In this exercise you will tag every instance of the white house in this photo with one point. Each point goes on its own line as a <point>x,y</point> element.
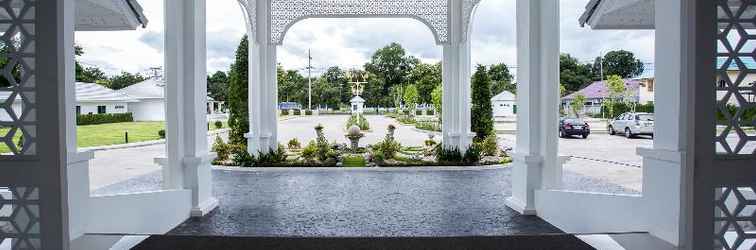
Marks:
<point>150,95</point>
<point>92,98</point>
<point>504,104</point>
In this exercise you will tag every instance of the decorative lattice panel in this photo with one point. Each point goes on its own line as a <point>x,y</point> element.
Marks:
<point>433,13</point>
<point>19,218</point>
<point>736,73</point>
<point>17,78</point>
<point>735,218</point>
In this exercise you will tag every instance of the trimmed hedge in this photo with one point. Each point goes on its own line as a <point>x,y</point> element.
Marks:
<point>94,119</point>
<point>621,108</point>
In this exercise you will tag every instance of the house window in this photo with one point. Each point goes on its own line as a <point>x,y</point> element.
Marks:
<point>102,109</point>
<point>78,110</point>
<point>119,107</point>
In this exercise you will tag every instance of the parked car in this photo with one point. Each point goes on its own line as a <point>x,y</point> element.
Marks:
<point>573,126</point>
<point>632,124</point>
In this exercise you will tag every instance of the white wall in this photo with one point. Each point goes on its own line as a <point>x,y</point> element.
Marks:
<point>110,107</point>
<point>503,108</point>
<point>148,110</point>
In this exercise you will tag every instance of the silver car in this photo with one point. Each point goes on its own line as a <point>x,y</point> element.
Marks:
<point>632,124</point>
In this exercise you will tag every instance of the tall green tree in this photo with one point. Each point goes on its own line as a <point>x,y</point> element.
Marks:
<point>482,110</point>
<point>238,96</point>
<point>391,65</point>
<point>616,87</point>
<point>411,97</point>
<point>578,104</point>
<point>425,77</point>
<point>337,77</point>
<point>325,93</point>
<point>124,80</point>
<point>437,96</point>
<point>620,62</point>
<point>573,74</point>
<point>292,86</point>
<point>501,79</point>
<point>217,86</point>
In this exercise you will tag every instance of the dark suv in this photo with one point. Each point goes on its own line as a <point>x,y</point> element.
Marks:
<point>573,126</point>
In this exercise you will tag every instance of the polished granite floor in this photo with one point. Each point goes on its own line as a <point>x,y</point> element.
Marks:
<point>338,203</point>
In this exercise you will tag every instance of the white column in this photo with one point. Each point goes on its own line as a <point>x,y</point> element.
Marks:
<point>188,163</point>
<point>456,83</point>
<point>263,84</point>
<point>664,165</point>
<point>535,160</point>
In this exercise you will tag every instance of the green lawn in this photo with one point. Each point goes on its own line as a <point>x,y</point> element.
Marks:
<point>110,134</point>
<point>113,134</point>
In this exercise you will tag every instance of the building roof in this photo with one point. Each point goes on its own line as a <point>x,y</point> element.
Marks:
<point>92,92</point>
<point>597,90</point>
<point>618,14</point>
<point>152,88</point>
<point>100,15</point>
<point>504,96</point>
<point>357,99</point>
<point>88,92</point>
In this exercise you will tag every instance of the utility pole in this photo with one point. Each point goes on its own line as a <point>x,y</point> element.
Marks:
<point>309,79</point>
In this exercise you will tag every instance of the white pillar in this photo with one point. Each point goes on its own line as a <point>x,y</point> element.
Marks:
<point>263,84</point>
<point>77,162</point>
<point>456,83</point>
<point>664,165</point>
<point>188,163</point>
<point>535,160</point>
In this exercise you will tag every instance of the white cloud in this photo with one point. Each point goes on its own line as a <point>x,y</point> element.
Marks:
<point>350,42</point>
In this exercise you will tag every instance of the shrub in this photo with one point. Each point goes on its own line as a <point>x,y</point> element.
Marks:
<point>294,144</point>
<point>489,146</point>
<point>406,120</point>
<point>310,152</point>
<point>430,126</point>
<point>324,151</point>
<point>359,121</point>
<point>308,112</point>
<point>94,119</point>
<point>161,133</point>
<point>284,112</point>
<point>473,154</point>
<point>354,161</point>
<point>276,156</point>
<point>218,124</point>
<point>447,155</point>
<point>222,149</point>
<point>387,149</point>
<point>297,112</point>
<point>240,156</point>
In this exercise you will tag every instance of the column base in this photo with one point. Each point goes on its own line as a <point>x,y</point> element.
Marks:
<point>520,206</point>
<point>205,208</point>
<point>78,191</point>
<point>461,141</point>
<point>260,144</point>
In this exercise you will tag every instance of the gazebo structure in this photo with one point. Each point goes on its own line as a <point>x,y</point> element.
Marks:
<point>691,175</point>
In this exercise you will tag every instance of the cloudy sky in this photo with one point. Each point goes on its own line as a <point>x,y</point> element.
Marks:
<point>350,42</point>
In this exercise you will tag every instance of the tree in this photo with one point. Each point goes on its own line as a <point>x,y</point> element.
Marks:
<point>91,75</point>
<point>572,74</point>
<point>217,86</point>
<point>125,79</point>
<point>292,86</point>
<point>621,62</point>
<point>238,96</point>
<point>578,104</point>
<point>438,96</point>
<point>391,65</point>
<point>425,77</point>
<point>615,85</point>
<point>411,97</point>
<point>501,79</point>
<point>325,93</point>
<point>482,110</point>
<point>336,76</point>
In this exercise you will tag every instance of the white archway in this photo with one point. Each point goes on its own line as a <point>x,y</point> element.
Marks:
<point>269,20</point>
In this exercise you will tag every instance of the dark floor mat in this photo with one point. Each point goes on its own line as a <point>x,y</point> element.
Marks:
<point>555,242</point>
